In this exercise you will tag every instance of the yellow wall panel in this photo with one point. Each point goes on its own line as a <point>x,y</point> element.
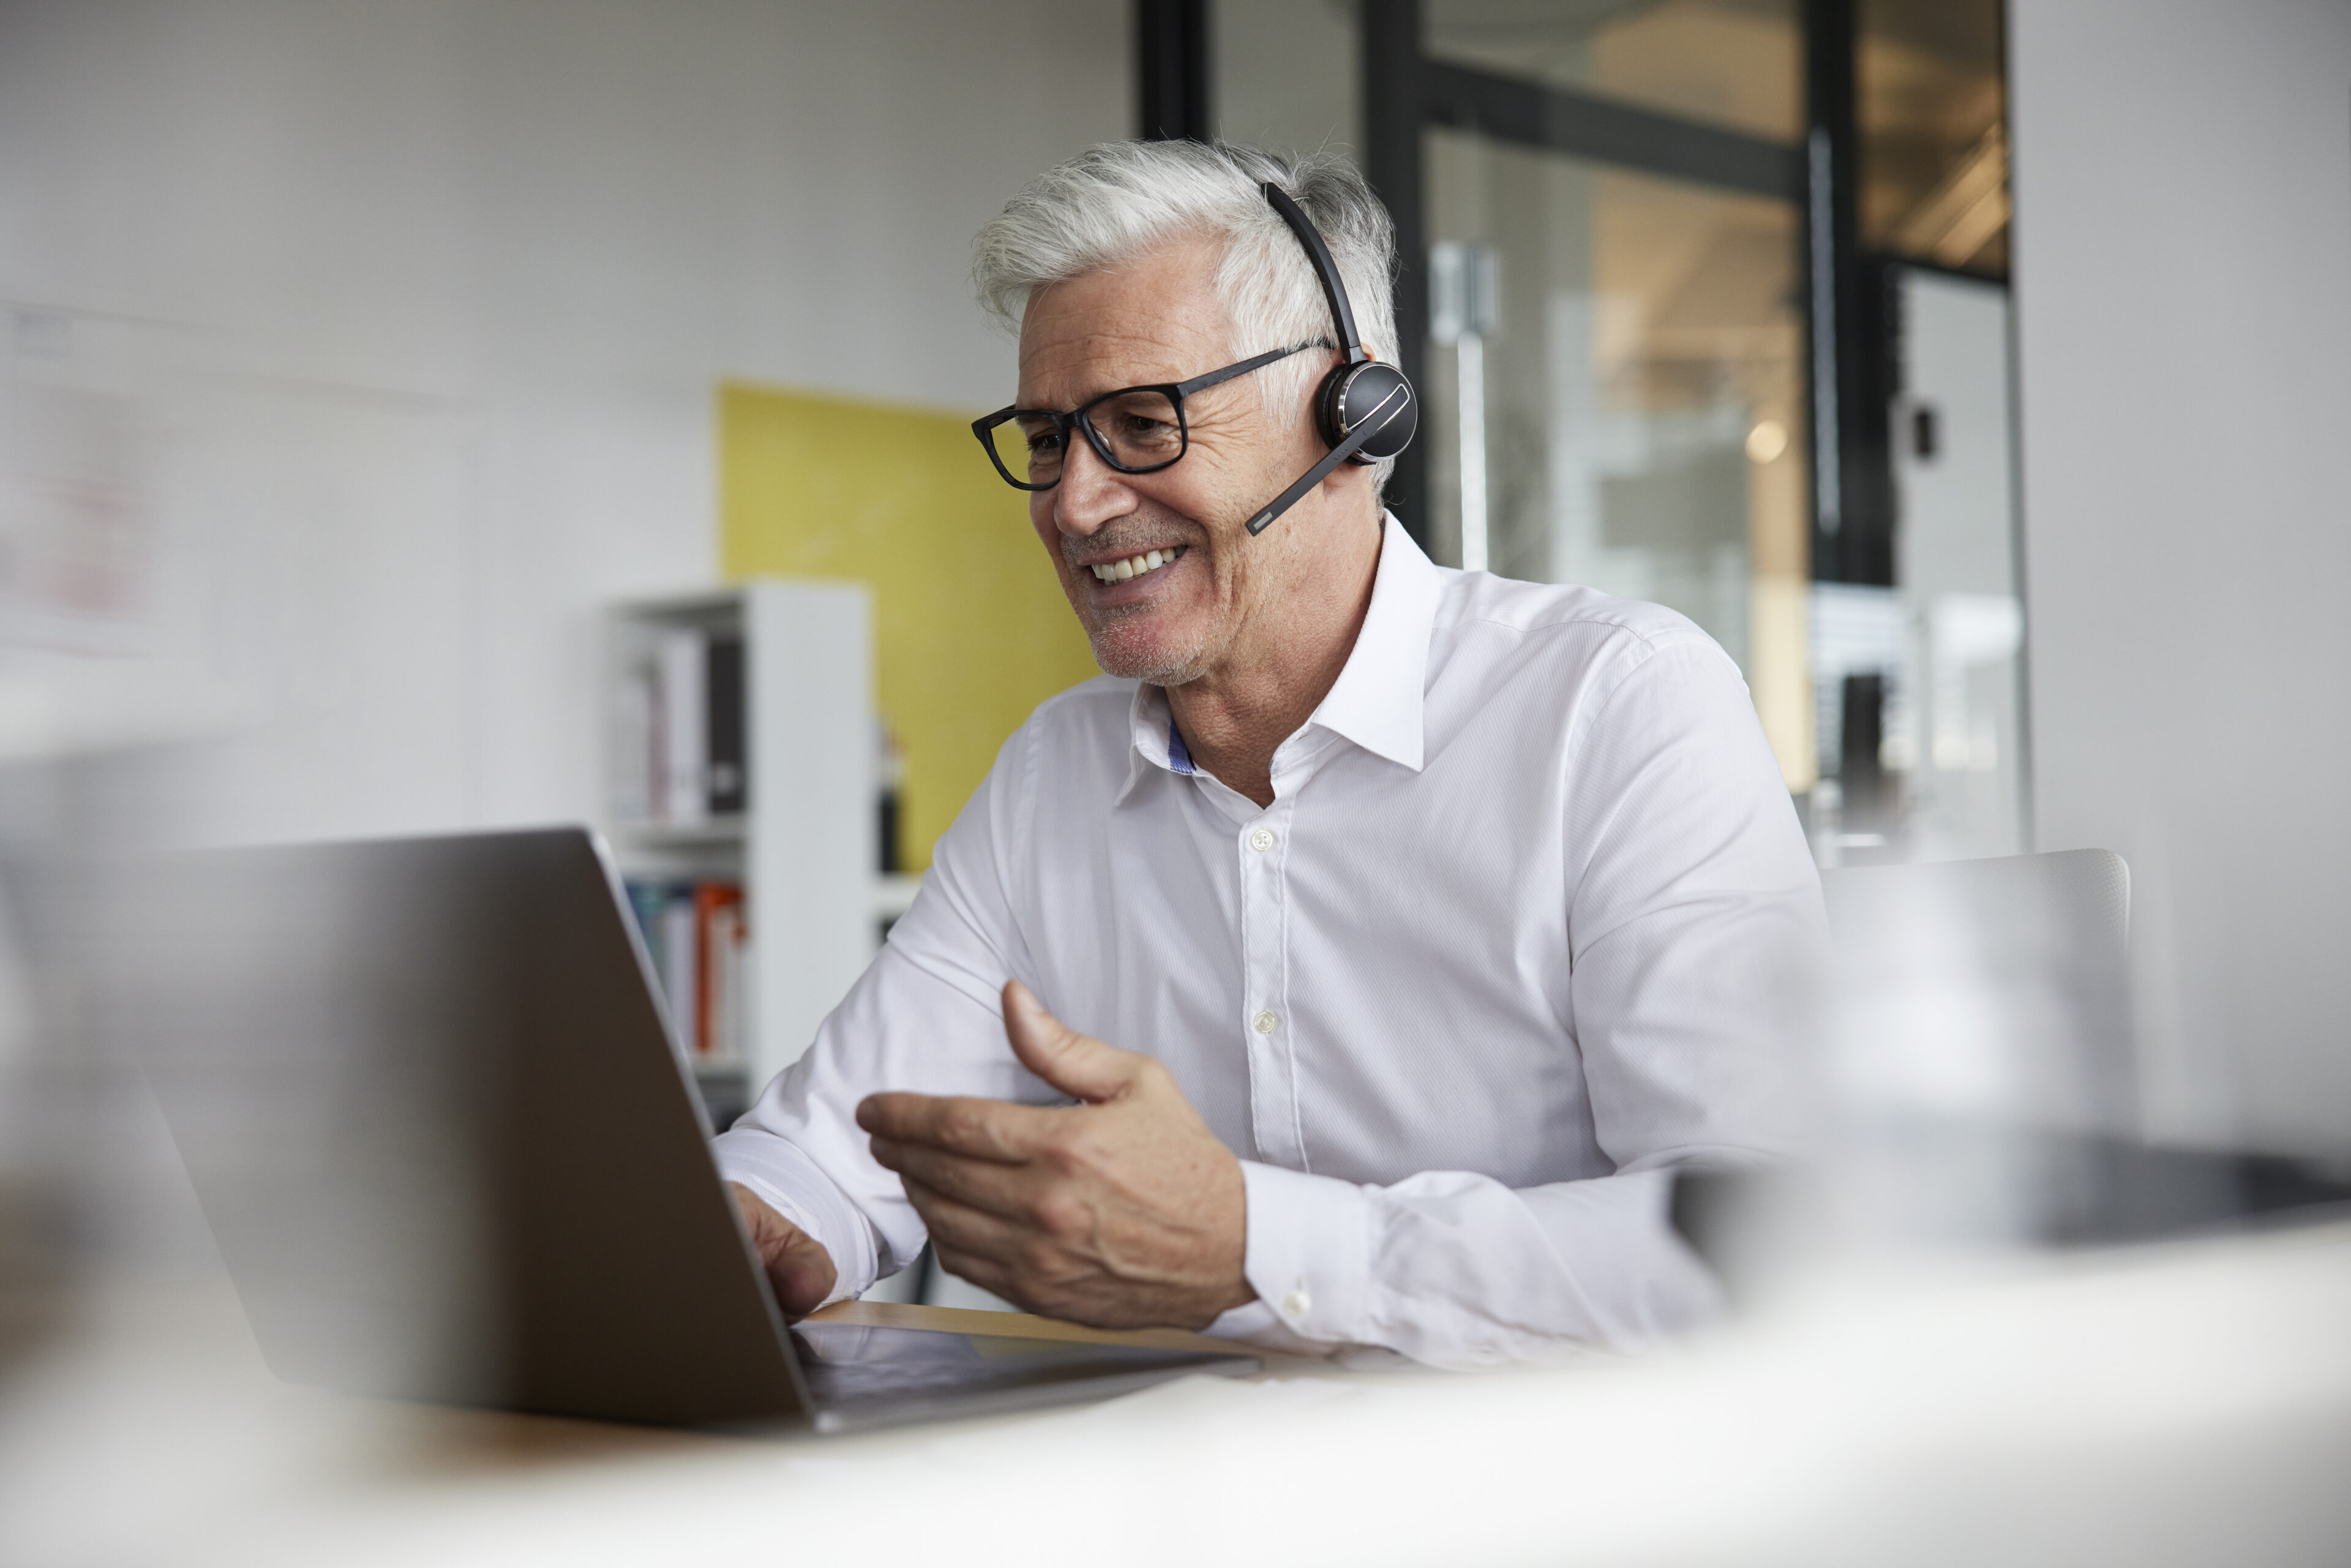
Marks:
<point>972,628</point>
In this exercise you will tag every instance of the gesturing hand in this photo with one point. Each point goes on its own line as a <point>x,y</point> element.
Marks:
<point>1122,1212</point>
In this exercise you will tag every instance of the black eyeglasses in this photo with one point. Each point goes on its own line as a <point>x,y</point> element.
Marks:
<point>1135,430</point>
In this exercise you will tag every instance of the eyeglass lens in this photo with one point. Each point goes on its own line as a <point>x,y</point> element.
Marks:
<point>1139,429</point>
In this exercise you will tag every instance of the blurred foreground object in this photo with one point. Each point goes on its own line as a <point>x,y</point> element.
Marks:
<point>1982,1010</point>
<point>2183,1404</point>
<point>1980,1052</point>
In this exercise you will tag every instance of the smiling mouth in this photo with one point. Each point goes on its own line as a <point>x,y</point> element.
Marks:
<point>1137,565</point>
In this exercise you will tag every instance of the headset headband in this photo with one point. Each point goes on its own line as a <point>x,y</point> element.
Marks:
<point>1324,268</point>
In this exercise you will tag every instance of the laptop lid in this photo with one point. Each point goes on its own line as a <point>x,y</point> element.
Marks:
<point>424,1093</point>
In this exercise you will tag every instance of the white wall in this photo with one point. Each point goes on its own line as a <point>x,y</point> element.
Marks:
<point>441,290</point>
<point>2183,271</point>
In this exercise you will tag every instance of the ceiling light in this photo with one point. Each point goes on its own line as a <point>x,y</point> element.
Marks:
<point>1766,440</point>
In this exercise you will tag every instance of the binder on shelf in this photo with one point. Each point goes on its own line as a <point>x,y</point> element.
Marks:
<point>682,965</point>
<point>698,937</point>
<point>633,705</point>
<point>726,760</point>
<point>682,718</point>
<point>645,902</point>
<point>680,740</point>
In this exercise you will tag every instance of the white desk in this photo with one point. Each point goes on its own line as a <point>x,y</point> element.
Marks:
<point>2178,1404</point>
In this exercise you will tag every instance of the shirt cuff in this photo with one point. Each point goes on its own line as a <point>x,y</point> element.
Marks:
<point>788,1182</point>
<point>1308,1256</point>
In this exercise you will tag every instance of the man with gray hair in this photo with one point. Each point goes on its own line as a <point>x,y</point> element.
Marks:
<point>1354,962</point>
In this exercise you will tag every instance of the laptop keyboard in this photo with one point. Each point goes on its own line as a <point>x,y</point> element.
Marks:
<point>851,1362</point>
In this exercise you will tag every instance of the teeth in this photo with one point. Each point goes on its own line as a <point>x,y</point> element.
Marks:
<point>1134,566</point>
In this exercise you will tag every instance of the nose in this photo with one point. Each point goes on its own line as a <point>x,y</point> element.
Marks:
<point>1091,493</point>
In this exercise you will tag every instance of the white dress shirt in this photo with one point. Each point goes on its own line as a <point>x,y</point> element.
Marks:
<point>1529,922</point>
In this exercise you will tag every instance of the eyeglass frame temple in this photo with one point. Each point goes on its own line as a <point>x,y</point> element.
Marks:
<point>1177,391</point>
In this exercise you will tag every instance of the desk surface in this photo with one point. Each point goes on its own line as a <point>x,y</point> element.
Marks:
<point>2175,1404</point>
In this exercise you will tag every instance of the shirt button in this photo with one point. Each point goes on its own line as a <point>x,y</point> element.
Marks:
<point>1262,841</point>
<point>1297,1303</point>
<point>1264,1023</point>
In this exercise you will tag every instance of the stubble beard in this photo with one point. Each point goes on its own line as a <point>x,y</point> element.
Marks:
<point>1123,647</point>
<point>1155,666</point>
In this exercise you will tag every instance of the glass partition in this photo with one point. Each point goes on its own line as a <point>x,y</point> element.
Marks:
<point>1615,373</point>
<point>1918,716</point>
<point>1641,390</point>
<point>1737,64</point>
<point>1932,113</point>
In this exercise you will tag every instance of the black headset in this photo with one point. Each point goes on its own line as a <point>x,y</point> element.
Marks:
<point>1365,410</point>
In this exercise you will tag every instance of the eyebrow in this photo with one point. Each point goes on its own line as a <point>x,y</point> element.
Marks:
<point>1236,367</point>
<point>1098,390</point>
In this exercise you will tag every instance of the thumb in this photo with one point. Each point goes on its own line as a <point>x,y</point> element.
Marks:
<point>1076,1064</point>
<point>802,1273</point>
<point>798,1268</point>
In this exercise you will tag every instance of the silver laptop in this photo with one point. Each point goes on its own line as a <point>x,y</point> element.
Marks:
<point>426,1096</point>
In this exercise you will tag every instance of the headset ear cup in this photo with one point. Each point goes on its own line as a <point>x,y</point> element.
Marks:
<point>1367,390</point>
<point>1326,405</point>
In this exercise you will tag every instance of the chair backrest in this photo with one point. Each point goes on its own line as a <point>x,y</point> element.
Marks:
<point>1991,991</point>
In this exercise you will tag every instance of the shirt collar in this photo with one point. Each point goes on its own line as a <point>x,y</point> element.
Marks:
<point>1154,727</point>
<point>1376,701</point>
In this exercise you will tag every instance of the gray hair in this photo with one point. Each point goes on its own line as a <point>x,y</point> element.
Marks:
<point>1117,202</point>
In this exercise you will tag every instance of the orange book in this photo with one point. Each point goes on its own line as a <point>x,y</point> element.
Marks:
<point>719,938</point>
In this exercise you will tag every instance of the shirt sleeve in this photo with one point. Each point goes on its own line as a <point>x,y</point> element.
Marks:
<point>1698,941</point>
<point>926,1015</point>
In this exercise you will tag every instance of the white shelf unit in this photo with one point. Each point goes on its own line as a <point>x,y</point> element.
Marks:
<point>805,846</point>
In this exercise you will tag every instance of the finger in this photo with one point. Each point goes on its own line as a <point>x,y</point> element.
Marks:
<point>1007,1191</point>
<point>756,1215</point>
<point>802,1275</point>
<point>964,1228</point>
<point>770,1232</point>
<point>977,1129</point>
<point>987,1273</point>
<point>1078,1065</point>
<point>798,1268</point>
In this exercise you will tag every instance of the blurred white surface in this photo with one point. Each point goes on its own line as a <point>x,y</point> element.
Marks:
<point>2183,1404</point>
